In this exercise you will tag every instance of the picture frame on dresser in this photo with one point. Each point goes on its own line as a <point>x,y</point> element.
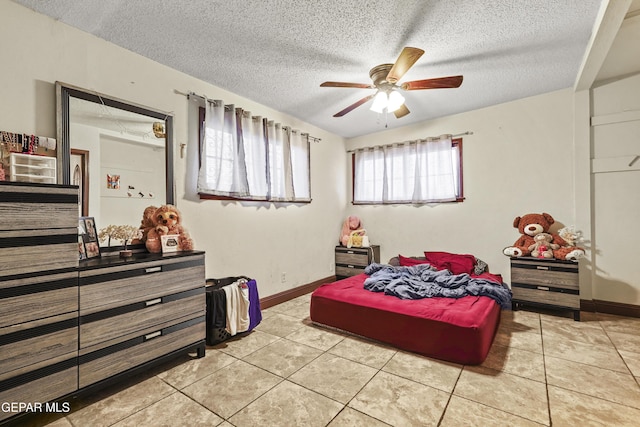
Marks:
<point>88,233</point>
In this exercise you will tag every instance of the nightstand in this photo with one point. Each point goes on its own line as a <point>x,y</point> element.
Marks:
<point>352,261</point>
<point>549,283</point>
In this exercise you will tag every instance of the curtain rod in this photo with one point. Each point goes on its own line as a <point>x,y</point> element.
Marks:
<point>410,142</point>
<point>190,94</point>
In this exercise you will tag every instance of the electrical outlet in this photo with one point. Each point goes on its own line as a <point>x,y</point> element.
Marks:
<point>283,277</point>
<point>330,267</point>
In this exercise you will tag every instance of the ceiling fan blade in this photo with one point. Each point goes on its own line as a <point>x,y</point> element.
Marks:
<point>438,83</point>
<point>402,111</point>
<point>353,106</point>
<point>344,84</point>
<point>407,58</point>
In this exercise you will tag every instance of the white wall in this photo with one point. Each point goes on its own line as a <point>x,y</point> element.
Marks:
<point>259,240</point>
<point>518,161</point>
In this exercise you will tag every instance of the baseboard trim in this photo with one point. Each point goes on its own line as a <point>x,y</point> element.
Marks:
<point>290,294</point>
<point>610,307</point>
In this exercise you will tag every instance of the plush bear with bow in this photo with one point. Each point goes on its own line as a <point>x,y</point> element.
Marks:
<point>543,248</point>
<point>167,221</point>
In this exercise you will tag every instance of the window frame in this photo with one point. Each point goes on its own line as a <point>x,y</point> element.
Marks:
<point>455,142</point>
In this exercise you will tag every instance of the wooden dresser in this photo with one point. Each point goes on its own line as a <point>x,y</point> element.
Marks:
<point>352,261</point>
<point>38,292</point>
<point>70,328</point>
<point>547,283</point>
<point>135,311</point>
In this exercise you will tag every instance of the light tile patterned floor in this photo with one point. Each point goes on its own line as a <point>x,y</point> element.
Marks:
<point>543,369</point>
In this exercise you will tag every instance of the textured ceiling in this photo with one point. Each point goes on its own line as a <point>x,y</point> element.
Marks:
<point>277,52</point>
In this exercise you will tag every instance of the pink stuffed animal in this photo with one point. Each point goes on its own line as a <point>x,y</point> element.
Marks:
<point>351,224</point>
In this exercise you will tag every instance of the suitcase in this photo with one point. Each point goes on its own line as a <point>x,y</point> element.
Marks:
<point>217,310</point>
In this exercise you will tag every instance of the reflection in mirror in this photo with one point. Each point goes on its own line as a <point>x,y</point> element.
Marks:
<point>119,154</point>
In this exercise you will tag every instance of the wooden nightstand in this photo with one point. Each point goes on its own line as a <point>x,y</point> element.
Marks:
<point>546,283</point>
<point>352,261</point>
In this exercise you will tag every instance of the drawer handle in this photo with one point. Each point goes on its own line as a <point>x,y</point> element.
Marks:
<point>543,288</point>
<point>153,269</point>
<point>541,267</point>
<point>152,335</point>
<point>351,266</point>
<point>153,302</point>
<point>350,252</point>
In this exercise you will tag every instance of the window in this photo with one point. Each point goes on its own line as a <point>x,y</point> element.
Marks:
<point>246,157</point>
<point>417,172</point>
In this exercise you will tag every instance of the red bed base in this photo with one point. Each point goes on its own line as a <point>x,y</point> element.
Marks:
<point>455,330</point>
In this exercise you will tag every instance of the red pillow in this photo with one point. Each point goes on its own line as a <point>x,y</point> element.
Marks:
<point>455,263</point>
<point>407,262</point>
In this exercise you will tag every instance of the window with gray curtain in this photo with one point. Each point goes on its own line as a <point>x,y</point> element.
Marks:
<point>251,158</point>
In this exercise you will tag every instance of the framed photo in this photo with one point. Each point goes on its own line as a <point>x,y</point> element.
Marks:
<point>88,246</point>
<point>169,243</point>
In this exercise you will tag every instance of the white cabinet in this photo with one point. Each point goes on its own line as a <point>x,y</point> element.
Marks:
<point>32,168</point>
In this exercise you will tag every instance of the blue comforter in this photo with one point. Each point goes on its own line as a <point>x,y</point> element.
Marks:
<point>423,281</point>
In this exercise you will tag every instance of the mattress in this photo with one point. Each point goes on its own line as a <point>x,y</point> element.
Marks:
<point>456,330</point>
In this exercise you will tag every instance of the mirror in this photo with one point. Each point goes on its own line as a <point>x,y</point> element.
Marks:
<point>118,153</point>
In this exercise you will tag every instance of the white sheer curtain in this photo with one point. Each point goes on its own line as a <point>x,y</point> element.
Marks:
<point>255,150</point>
<point>299,145</point>
<point>420,171</point>
<point>435,175</point>
<point>369,184</point>
<point>222,171</point>
<point>279,164</point>
<point>250,157</point>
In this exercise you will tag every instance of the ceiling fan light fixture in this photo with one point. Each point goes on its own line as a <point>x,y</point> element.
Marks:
<point>380,102</point>
<point>395,101</point>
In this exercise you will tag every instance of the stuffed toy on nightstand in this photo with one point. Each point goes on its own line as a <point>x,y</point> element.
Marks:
<point>570,251</point>
<point>543,248</point>
<point>529,226</point>
<point>351,227</point>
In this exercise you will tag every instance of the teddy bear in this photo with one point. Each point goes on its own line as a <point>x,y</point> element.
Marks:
<point>350,225</point>
<point>529,226</point>
<point>146,223</point>
<point>571,236</point>
<point>167,220</point>
<point>543,248</point>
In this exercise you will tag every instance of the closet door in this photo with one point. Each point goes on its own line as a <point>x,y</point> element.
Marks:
<point>616,185</point>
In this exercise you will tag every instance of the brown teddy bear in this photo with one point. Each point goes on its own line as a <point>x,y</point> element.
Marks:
<point>146,223</point>
<point>529,226</point>
<point>167,221</point>
<point>543,248</point>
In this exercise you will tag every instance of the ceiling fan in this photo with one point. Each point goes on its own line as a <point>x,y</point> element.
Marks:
<point>385,79</point>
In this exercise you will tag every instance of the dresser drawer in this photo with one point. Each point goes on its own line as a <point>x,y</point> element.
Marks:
<point>558,297</point>
<point>545,274</point>
<point>33,251</point>
<point>109,324</point>
<point>33,207</point>
<point>29,349</point>
<point>39,296</point>
<point>107,288</point>
<point>118,358</point>
<point>353,257</point>
<point>41,386</point>
<point>348,271</point>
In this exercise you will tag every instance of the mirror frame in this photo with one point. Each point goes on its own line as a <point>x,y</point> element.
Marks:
<point>63,152</point>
